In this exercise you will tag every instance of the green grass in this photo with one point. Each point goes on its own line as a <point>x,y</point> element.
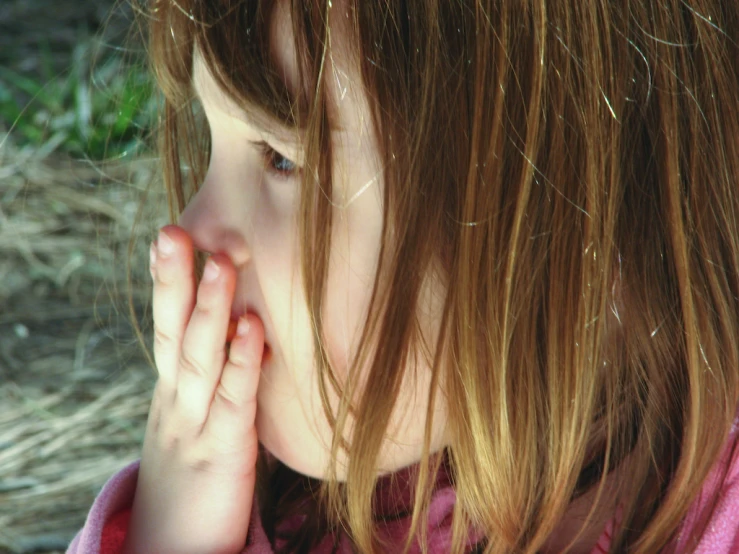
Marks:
<point>93,110</point>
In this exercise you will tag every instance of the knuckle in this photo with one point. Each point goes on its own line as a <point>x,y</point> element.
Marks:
<point>201,464</point>
<point>163,340</point>
<point>191,365</point>
<point>203,308</point>
<point>170,441</point>
<point>228,398</point>
<point>161,274</point>
<point>237,357</point>
<point>206,298</point>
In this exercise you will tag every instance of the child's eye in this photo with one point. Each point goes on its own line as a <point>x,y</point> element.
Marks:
<point>276,162</point>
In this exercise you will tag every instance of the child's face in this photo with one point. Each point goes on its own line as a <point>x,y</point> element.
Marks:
<point>249,212</point>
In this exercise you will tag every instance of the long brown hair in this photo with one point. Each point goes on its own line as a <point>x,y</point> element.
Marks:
<point>569,171</point>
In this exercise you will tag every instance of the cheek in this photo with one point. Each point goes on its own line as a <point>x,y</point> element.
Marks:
<point>341,338</point>
<point>273,257</point>
<point>349,287</point>
<point>355,246</point>
<point>277,264</point>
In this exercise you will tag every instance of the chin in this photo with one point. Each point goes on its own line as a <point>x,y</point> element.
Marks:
<point>300,456</point>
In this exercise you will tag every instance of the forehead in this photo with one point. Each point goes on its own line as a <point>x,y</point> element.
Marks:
<point>346,104</point>
<point>342,75</point>
<point>213,97</point>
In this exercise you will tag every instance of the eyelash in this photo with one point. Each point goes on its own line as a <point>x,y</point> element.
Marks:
<point>272,158</point>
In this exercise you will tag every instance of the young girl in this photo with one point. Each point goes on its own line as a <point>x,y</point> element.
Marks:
<point>484,260</point>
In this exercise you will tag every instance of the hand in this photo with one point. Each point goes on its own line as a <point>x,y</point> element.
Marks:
<point>197,475</point>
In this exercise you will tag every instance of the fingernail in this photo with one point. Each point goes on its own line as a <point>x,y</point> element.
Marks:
<point>165,245</point>
<point>242,328</point>
<point>211,271</point>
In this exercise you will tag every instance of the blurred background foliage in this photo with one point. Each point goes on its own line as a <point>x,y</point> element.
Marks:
<point>82,89</point>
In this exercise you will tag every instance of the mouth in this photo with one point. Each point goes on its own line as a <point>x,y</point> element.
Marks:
<point>231,333</point>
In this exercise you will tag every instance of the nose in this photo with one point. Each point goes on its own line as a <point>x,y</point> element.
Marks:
<point>216,225</point>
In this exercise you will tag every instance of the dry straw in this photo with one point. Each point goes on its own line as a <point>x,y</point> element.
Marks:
<point>74,387</point>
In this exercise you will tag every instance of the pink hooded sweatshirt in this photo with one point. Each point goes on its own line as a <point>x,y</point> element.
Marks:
<point>107,521</point>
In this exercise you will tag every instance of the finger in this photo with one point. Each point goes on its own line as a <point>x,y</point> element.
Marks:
<point>203,346</point>
<point>173,298</point>
<point>233,410</point>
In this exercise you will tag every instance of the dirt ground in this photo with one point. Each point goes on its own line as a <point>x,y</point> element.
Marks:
<point>74,383</point>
